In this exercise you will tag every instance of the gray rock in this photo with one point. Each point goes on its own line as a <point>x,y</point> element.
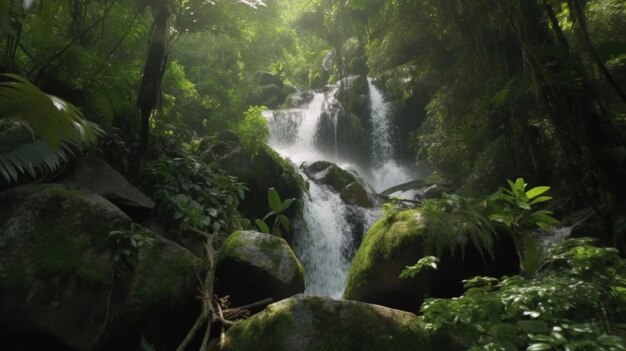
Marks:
<point>96,176</point>
<point>355,194</point>
<point>328,173</point>
<point>253,266</point>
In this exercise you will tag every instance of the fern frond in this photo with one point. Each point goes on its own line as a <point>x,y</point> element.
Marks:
<point>452,230</point>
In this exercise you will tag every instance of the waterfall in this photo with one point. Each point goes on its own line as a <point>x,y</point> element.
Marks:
<point>385,171</point>
<point>308,133</point>
<point>321,237</point>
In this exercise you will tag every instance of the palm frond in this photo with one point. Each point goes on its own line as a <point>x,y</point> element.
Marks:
<point>38,131</point>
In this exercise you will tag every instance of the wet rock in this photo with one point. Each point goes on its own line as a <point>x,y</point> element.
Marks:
<point>319,323</point>
<point>328,173</point>
<point>355,194</point>
<point>253,266</point>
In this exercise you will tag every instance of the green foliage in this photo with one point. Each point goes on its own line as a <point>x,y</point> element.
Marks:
<point>577,302</point>
<point>37,131</point>
<point>514,209</point>
<point>253,130</point>
<point>277,207</point>
<point>130,246</point>
<point>190,191</point>
<point>454,219</point>
<point>411,271</point>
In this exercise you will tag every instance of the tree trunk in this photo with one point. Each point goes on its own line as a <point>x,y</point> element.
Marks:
<point>150,86</point>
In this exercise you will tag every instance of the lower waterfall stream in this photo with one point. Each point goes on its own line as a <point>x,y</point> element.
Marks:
<point>322,237</point>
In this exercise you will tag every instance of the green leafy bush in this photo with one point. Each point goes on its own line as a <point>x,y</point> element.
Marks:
<point>515,210</point>
<point>576,302</point>
<point>277,207</point>
<point>195,193</point>
<point>253,130</point>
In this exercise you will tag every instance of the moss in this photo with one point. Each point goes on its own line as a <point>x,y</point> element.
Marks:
<point>252,333</point>
<point>317,323</point>
<point>57,251</point>
<point>231,244</point>
<point>384,238</point>
<point>273,249</point>
<point>161,273</point>
<point>61,235</point>
<point>290,174</point>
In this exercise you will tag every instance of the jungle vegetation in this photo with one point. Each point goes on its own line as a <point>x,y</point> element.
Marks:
<point>492,90</point>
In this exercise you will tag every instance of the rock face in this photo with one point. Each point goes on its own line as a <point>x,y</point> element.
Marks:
<point>261,171</point>
<point>96,176</point>
<point>397,241</point>
<point>328,173</point>
<point>58,278</point>
<point>253,266</point>
<point>319,323</point>
<point>355,194</point>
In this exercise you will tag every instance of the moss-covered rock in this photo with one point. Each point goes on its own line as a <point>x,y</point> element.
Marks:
<point>253,266</point>
<point>261,171</point>
<point>328,173</point>
<point>58,276</point>
<point>319,323</point>
<point>397,241</point>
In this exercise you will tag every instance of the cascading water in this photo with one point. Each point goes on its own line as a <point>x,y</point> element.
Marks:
<point>385,171</point>
<point>323,233</point>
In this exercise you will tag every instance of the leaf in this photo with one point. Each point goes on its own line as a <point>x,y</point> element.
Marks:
<point>519,186</point>
<point>262,226</point>
<point>539,346</point>
<point>536,191</point>
<point>274,200</point>
<point>285,205</point>
<point>540,199</point>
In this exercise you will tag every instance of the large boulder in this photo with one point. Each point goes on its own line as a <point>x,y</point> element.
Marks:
<point>399,240</point>
<point>253,266</point>
<point>261,171</point>
<point>61,277</point>
<point>94,175</point>
<point>355,194</point>
<point>308,323</point>
<point>328,173</point>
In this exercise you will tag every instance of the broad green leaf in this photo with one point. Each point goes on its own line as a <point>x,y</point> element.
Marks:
<point>536,191</point>
<point>285,205</point>
<point>274,200</point>
<point>262,226</point>
<point>520,185</point>
<point>539,346</point>
<point>522,204</point>
<point>540,199</point>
